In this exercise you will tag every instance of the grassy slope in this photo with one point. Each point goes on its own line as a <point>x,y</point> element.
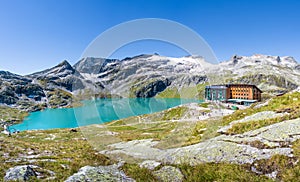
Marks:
<point>192,92</point>
<point>288,168</point>
<point>8,114</point>
<point>69,149</point>
<point>289,103</point>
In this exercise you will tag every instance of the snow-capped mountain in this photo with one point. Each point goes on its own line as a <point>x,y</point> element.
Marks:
<point>143,75</point>
<point>259,59</point>
<point>63,75</point>
<point>270,73</point>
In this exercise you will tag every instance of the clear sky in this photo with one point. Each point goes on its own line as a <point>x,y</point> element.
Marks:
<point>36,34</point>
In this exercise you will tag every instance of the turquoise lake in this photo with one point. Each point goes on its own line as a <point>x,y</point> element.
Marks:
<point>96,112</point>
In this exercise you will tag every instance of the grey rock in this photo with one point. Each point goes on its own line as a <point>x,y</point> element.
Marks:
<point>150,164</point>
<point>216,150</point>
<point>20,173</point>
<point>95,65</point>
<point>235,59</point>
<point>151,89</point>
<point>15,89</point>
<point>278,59</point>
<point>224,148</point>
<point>272,175</point>
<point>269,79</point>
<point>169,174</point>
<point>8,96</point>
<point>271,74</point>
<point>100,173</point>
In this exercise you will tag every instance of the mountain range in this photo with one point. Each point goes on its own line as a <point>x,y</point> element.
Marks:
<point>144,76</point>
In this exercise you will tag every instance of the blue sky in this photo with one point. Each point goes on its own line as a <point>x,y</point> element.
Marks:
<point>35,34</point>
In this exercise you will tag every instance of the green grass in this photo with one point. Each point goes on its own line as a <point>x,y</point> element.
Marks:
<point>137,173</point>
<point>281,164</point>
<point>288,168</point>
<point>219,172</point>
<point>174,113</point>
<point>287,103</point>
<point>8,114</point>
<point>156,126</point>
<point>67,149</point>
<point>192,92</point>
<point>121,128</point>
<point>155,131</point>
<point>204,104</point>
<point>293,173</point>
<point>59,98</point>
<point>239,128</point>
<point>169,93</point>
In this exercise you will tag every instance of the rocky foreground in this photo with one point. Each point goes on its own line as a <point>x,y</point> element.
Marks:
<point>260,143</point>
<point>240,149</point>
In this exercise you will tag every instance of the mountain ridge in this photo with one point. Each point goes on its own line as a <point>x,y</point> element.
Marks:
<point>145,75</point>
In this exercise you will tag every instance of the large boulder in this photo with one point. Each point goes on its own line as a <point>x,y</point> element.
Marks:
<point>100,173</point>
<point>20,173</point>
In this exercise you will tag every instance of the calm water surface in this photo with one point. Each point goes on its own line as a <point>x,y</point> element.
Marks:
<point>96,112</point>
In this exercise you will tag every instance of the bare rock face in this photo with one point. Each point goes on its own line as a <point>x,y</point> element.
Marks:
<point>152,89</point>
<point>20,173</point>
<point>15,88</point>
<point>100,173</point>
<point>271,80</point>
<point>7,96</point>
<point>96,65</point>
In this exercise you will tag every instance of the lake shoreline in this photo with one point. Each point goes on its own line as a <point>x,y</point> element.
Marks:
<point>112,110</point>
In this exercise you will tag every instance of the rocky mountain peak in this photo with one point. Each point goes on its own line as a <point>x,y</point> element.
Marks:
<point>278,59</point>
<point>65,64</point>
<point>6,73</point>
<point>260,59</point>
<point>61,70</point>
<point>93,65</point>
<point>235,59</point>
